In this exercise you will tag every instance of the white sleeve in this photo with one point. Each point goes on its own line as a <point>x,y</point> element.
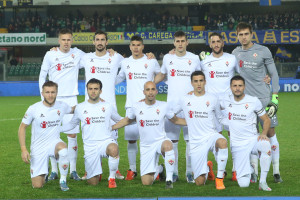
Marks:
<point>259,109</point>
<point>72,124</point>
<point>163,68</point>
<point>219,115</point>
<point>177,108</point>
<point>44,71</point>
<point>82,62</point>
<point>28,117</point>
<point>157,67</point>
<point>198,66</point>
<point>131,113</point>
<point>236,66</point>
<point>121,76</point>
<point>115,115</point>
<point>67,108</point>
<point>170,112</point>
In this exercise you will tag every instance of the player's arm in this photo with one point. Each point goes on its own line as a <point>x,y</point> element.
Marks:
<point>22,135</point>
<point>121,76</point>
<point>269,63</point>
<point>219,115</point>
<point>71,124</point>
<point>178,120</point>
<point>115,115</point>
<point>267,122</point>
<point>124,122</point>
<point>159,77</point>
<point>44,71</point>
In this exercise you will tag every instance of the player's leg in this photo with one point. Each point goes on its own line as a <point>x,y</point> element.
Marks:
<point>149,162</point>
<point>188,172</point>
<point>115,135</point>
<point>92,161</point>
<point>54,169</point>
<point>147,179</point>
<point>112,151</point>
<point>168,152</point>
<point>61,153</point>
<point>38,181</point>
<point>220,151</point>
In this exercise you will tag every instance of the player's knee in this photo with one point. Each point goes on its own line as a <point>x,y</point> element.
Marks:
<point>60,146</point>
<point>147,180</point>
<point>113,150</point>
<point>167,146</point>
<point>244,181</point>
<point>37,184</point>
<point>222,143</point>
<point>265,146</point>
<point>94,180</point>
<point>200,180</point>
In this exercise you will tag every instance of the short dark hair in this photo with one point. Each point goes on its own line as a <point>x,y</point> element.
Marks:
<point>65,31</point>
<point>180,34</point>
<point>242,26</point>
<point>94,81</point>
<point>237,78</point>
<point>100,32</point>
<point>50,84</point>
<point>136,38</point>
<point>197,73</point>
<point>215,34</point>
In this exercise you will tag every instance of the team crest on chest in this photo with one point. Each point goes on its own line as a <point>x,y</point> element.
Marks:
<point>157,111</point>
<point>255,55</point>
<point>58,112</point>
<point>207,103</point>
<point>246,106</point>
<point>73,56</point>
<point>146,66</point>
<point>109,60</point>
<point>189,62</point>
<point>227,63</point>
<point>103,109</point>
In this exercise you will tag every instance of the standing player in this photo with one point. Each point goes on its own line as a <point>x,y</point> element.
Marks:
<point>95,117</point>
<point>178,68</point>
<point>137,70</point>
<point>62,66</point>
<point>255,61</point>
<point>46,117</point>
<point>200,111</point>
<point>219,67</point>
<point>102,66</point>
<point>150,116</point>
<point>242,111</point>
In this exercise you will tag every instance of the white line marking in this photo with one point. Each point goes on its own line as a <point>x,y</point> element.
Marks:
<point>1,120</point>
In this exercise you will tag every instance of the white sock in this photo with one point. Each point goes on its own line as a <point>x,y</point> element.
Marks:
<point>132,149</point>
<point>170,164</point>
<point>113,164</point>
<point>265,160</point>
<point>275,154</point>
<point>54,165</point>
<point>233,168</point>
<point>175,148</point>
<point>63,163</point>
<point>72,151</point>
<point>188,158</point>
<point>254,162</point>
<point>222,161</point>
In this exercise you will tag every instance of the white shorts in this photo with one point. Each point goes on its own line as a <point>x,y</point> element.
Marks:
<point>39,163</point>
<point>199,154</point>
<point>241,156</point>
<point>71,101</point>
<point>131,131</point>
<point>93,158</point>
<point>173,131</point>
<point>149,157</point>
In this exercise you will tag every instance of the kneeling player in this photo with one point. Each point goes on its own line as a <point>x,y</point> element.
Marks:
<point>200,109</point>
<point>46,117</point>
<point>242,111</point>
<point>95,117</point>
<point>150,116</point>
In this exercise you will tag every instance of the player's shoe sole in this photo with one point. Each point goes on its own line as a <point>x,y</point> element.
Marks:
<point>219,184</point>
<point>211,175</point>
<point>277,178</point>
<point>264,187</point>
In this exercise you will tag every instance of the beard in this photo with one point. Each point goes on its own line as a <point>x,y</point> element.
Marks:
<point>100,48</point>
<point>218,52</point>
<point>49,103</point>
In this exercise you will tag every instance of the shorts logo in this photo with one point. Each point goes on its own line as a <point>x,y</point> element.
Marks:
<point>103,109</point>
<point>73,56</point>
<point>171,162</point>
<point>75,148</point>
<point>172,71</point>
<point>58,67</point>
<point>88,120</point>
<point>93,70</point>
<point>130,75</point>
<point>207,103</point>
<point>43,124</point>
<point>65,167</point>
<point>227,63</point>
<point>246,106</point>
<point>142,123</point>
<point>146,66</point>
<point>191,114</point>
<point>58,112</point>
<point>273,147</point>
<point>157,111</point>
<point>109,60</point>
<point>92,60</point>
<point>171,63</point>
<point>190,62</point>
<point>255,55</point>
<point>241,63</point>
<point>212,74</point>
<point>229,115</point>
<point>189,104</point>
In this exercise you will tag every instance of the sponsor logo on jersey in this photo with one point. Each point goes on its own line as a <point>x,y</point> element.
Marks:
<point>85,112</point>
<point>189,62</point>
<point>141,113</point>
<point>227,63</point>
<point>273,147</point>
<point>246,106</point>
<point>157,111</point>
<point>171,161</point>
<point>241,63</point>
<point>146,66</point>
<point>142,123</point>
<point>58,112</point>
<point>93,69</point>
<point>172,71</point>
<point>58,67</point>
<point>65,166</point>
<point>229,115</point>
<point>109,60</point>
<point>75,148</point>
<point>191,114</point>
<point>207,103</point>
<point>171,63</point>
<point>73,56</point>
<point>43,124</point>
<point>42,115</point>
<point>189,104</point>
<point>103,109</point>
<point>255,55</point>
<point>88,120</point>
<point>212,74</point>
<point>92,60</point>
<point>130,75</point>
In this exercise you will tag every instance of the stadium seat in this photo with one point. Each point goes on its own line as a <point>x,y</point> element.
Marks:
<point>11,71</point>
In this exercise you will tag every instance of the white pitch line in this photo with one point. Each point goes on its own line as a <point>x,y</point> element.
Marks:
<point>1,120</point>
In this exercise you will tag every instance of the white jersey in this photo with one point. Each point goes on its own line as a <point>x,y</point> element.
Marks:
<point>150,120</point>
<point>218,72</point>
<point>95,121</point>
<point>200,113</point>
<point>179,70</point>
<point>137,72</point>
<point>105,69</point>
<point>242,118</point>
<point>46,122</point>
<point>62,69</point>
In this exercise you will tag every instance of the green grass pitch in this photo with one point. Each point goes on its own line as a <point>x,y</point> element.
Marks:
<point>15,180</point>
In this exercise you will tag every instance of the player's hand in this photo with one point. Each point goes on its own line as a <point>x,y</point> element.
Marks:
<point>203,55</point>
<point>172,52</point>
<point>150,55</point>
<point>25,156</point>
<point>111,52</point>
<point>190,93</point>
<point>263,137</point>
<point>267,79</point>
<point>54,49</point>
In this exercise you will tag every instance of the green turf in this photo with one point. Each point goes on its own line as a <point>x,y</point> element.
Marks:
<point>15,180</point>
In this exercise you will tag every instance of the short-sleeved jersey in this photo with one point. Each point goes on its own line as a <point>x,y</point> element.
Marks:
<point>242,118</point>
<point>62,69</point>
<point>105,69</point>
<point>218,72</point>
<point>178,71</point>
<point>95,121</point>
<point>46,122</point>
<point>137,72</point>
<point>254,64</point>
<point>150,120</point>
<point>200,113</point>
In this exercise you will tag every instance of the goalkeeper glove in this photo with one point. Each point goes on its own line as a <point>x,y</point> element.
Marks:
<point>275,98</point>
<point>272,107</point>
<point>204,54</point>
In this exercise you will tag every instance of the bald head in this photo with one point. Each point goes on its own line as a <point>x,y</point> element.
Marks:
<point>150,92</point>
<point>149,84</point>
